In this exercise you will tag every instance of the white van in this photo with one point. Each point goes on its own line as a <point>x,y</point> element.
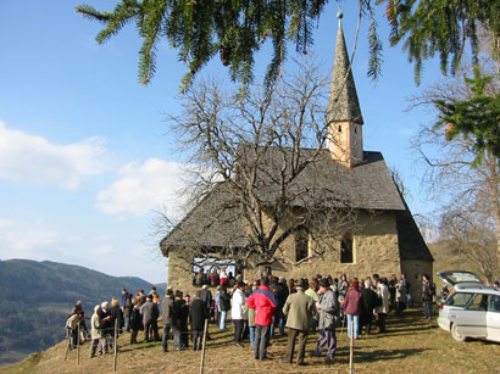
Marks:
<point>472,309</point>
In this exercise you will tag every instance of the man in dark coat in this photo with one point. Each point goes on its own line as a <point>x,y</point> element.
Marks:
<point>150,313</point>
<point>206,297</point>
<point>166,316</point>
<point>180,313</point>
<point>197,315</point>
<point>369,301</point>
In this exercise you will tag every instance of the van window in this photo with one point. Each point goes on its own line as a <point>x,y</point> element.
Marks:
<point>479,302</point>
<point>494,304</point>
<point>459,299</point>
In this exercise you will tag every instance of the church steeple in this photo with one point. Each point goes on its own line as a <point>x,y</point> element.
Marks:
<point>345,121</point>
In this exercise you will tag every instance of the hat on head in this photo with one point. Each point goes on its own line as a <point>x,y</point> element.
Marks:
<point>324,283</point>
<point>204,287</point>
<point>302,283</point>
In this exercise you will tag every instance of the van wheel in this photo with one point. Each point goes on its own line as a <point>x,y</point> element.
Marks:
<point>456,335</point>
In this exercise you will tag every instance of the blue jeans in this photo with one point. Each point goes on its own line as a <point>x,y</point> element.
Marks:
<point>251,330</point>
<point>222,322</point>
<point>352,320</point>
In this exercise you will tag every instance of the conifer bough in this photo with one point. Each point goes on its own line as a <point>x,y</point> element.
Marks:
<point>236,29</point>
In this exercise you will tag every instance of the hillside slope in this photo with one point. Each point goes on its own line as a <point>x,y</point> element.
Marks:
<point>36,297</point>
<point>411,345</point>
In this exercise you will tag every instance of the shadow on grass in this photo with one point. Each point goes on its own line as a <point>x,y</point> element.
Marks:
<point>382,355</point>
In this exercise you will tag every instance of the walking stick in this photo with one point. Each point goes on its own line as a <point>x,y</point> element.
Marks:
<point>351,348</point>
<point>78,346</point>
<point>115,348</point>
<point>202,363</point>
<point>68,340</point>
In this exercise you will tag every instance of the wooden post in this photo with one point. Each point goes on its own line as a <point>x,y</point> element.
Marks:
<point>351,348</point>
<point>205,331</point>
<point>78,346</point>
<point>115,345</point>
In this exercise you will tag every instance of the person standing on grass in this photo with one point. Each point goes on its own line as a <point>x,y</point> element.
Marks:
<point>299,309</point>
<point>264,303</point>
<point>127,312</point>
<point>96,333</point>
<point>224,305</point>
<point>251,317</point>
<point>197,316</point>
<point>385,300</point>
<point>150,313</point>
<point>400,301</point>
<point>117,314</point>
<point>238,312</point>
<point>369,301</point>
<point>328,308</point>
<point>180,313</point>
<point>166,316</point>
<point>352,308</point>
<point>428,291</point>
<point>135,320</point>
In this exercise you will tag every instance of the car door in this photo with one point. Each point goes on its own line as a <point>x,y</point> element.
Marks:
<point>493,319</point>
<point>471,321</point>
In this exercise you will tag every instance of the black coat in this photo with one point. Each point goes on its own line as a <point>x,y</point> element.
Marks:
<point>224,301</point>
<point>180,313</point>
<point>117,314</point>
<point>369,301</point>
<point>206,297</point>
<point>136,320</point>
<point>198,314</point>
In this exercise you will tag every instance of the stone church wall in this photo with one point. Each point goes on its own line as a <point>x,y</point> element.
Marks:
<point>375,249</point>
<point>414,269</point>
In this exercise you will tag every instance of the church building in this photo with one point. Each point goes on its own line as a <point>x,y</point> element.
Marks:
<point>385,239</point>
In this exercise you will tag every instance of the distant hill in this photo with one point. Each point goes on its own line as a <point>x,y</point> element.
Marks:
<point>36,297</point>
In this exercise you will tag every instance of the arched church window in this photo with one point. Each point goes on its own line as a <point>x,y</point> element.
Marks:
<point>346,250</point>
<point>301,245</point>
<point>340,128</point>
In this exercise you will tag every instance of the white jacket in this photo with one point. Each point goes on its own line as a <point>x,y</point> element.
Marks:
<point>239,305</point>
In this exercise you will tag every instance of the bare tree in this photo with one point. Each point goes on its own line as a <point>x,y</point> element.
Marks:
<point>472,237</point>
<point>261,178</point>
<point>468,191</point>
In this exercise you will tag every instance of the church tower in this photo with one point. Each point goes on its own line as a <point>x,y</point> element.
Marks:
<point>345,123</point>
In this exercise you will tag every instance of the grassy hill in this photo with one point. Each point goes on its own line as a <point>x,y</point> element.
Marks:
<point>36,297</point>
<point>411,345</point>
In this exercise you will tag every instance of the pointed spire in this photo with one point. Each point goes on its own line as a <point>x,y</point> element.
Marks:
<point>343,102</point>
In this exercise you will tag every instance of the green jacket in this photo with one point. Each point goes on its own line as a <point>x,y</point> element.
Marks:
<point>299,309</point>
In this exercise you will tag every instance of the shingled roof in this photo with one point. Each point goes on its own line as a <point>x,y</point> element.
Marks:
<point>217,221</point>
<point>214,222</point>
<point>343,103</point>
<point>327,183</point>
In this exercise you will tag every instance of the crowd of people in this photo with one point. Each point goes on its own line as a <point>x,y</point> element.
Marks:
<point>258,310</point>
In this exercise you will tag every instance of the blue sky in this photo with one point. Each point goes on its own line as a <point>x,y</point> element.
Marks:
<point>86,157</point>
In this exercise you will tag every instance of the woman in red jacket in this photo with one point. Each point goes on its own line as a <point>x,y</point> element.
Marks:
<point>352,308</point>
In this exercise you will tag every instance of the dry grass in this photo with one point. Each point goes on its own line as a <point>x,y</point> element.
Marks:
<point>411,345</point>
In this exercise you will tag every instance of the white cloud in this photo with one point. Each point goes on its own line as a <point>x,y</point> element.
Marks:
<point>142,187</point>
<point>28,241</point>
<point>26,157</point>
